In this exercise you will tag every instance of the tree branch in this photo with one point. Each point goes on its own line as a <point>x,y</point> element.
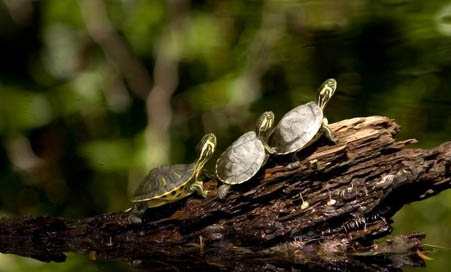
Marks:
<point>103,33</point>
<point>261,224</point>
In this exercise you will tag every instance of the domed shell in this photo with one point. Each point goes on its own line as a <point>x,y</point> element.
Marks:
<point>296,128</point>
<point>162,180</point>
<point>242,160</point>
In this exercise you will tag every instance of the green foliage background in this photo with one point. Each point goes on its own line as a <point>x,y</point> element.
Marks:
<point>79,129</point>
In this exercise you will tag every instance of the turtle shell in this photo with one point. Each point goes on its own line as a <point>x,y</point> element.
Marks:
<point>242,160</point>
<point>297,128</point>
<point>163,180</point>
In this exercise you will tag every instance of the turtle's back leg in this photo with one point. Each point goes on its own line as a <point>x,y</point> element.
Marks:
<point>326,130</point>
<point>223,190</point>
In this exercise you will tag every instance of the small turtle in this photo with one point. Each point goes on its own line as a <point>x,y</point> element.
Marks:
<point>242,160</point>
<point>304,124</point>
<point>169,183</point>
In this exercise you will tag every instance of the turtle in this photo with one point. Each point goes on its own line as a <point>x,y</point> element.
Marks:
<point>169,183</point>
<point>304,124</point>
<point>242,160</point>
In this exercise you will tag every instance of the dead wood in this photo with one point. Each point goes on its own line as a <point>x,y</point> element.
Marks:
<point>260,225</point>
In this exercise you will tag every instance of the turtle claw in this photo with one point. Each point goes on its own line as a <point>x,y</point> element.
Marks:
<point>136,212</point>
<point>205,193</point>
<point>133,219</point>
<point>198,187</point>
<point>293,165</point>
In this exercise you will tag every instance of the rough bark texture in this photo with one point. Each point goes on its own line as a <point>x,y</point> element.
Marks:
<point>261,225</point>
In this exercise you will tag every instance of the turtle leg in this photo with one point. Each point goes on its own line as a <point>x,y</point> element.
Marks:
<point>198,186</point>
<point>136,212</point>
<point>293,165</point>
<point>295,162</point>
<point>326,130</point>
<point>223,190</point>
<point>270,150</point>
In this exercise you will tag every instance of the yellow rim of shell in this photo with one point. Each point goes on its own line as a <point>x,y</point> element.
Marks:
<point>165,194</point>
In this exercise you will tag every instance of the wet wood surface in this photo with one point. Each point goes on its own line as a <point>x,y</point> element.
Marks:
<point>352,188</point>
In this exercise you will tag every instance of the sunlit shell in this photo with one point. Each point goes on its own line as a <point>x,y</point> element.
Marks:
<point>242,160</point>
<point>297,128</point>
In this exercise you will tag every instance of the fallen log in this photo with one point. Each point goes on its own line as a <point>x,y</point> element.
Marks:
<point>352,189</point>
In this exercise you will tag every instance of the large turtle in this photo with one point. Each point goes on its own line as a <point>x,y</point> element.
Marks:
<point>242,160</point>
<point>169,183</point>
<point>304,124</point>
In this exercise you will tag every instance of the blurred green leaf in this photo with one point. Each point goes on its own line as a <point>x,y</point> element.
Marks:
<point>21,110</point>
<point>65,12</point>
<point>142,24</point>
<point>112,155</point>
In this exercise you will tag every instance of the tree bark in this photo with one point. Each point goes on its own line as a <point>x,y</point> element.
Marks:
<point>353,189</point>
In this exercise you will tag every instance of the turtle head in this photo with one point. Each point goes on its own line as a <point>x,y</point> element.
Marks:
<point>325,92</point>
<point>205,149</point>
<point>264,125</point>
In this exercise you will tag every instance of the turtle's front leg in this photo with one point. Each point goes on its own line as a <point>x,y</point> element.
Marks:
<point>269,149</point>
<point>136,212</point>
<point>326,130</point>
<point>198,186</point>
